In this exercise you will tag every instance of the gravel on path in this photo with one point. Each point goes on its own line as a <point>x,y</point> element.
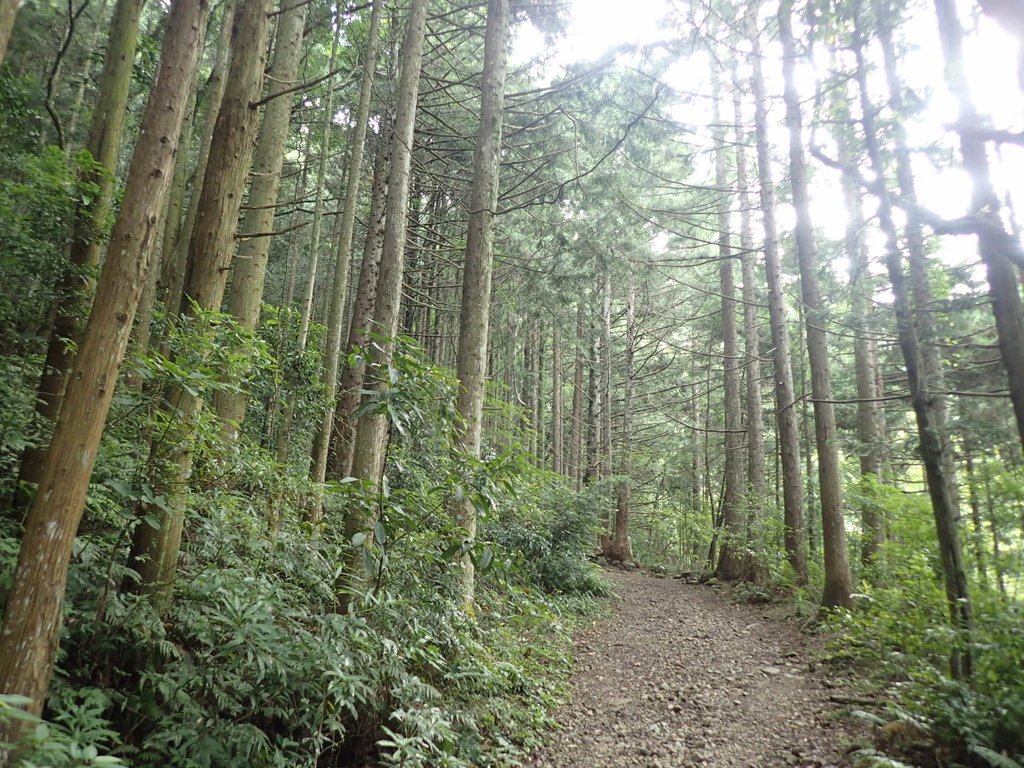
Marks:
<point>679,677</point>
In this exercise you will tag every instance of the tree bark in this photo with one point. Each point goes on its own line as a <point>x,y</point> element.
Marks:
<point>318,203</point>
<point>994,243</point>
<point>154,552</point>
<point>592,466</point>
<point>755,569</point>
<point>251,263</point>
<point>619,549</point>
<point>605,362</point>
<point>8,13</point>
<point>309,290</point>
<point>870,421</point>
<point>921,299</point>
<point>730,559</point>
<point>339,463</point>
<point>34,609</point>
<point>339,289</point>
<point>978,532</point>
<point>474,317</point>
<point>372,428</point>
<point>172,270</point>
<point>838,581</point>
<point>576,420</point>
<point>557,400</point>
<point>786,417</point>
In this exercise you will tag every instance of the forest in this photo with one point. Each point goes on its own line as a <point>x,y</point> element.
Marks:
<point>343,346</point>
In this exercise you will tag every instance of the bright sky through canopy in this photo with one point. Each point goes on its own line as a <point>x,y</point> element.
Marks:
<point>598,25</point>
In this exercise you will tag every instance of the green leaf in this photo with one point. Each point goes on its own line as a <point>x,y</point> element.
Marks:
<point>450,551</point>
<point>994,758</point>
<point>121,488</point>
<point>380,534</point>
<point>368,562</point>
<point>358,539</point>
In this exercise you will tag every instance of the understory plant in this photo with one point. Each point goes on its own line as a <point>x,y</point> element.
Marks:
<point>288,644</point>
<point>899,633</point>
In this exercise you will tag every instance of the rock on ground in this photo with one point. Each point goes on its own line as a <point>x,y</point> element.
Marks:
<point>678,677</point>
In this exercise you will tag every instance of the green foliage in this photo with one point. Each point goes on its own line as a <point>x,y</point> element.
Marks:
<point>76,739</point>
<point>285,645</point>
<point>39,192</point>
<point>294,372</point>
<point>901,634</point>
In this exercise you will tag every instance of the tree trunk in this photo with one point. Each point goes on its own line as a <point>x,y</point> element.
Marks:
<point>605,362</point>
<point>84,250</point>
<point>35,602</point>
<point>920,297</point>
<point>318,204</point>
<point>978,533</point>
<point>100,22</point>
<point>529,415</point>
<point>592,467</point>
<point>870,431</point>
<point>339,289</point>
<point>838,581</point>
<point>931,437</point>
<point>295,241</point>
<point>618,548</point>
<point>372,428</point>
<point>576,420</point>
<point>731,558</point>
<point>993,524</point>
<point>786,417</point>
<point>155,551</point>
<point>172,270</point>
<point>258,223</point>
<point>309,290</point>
<point>471,360</point>
<point>557,427</point>
<point>8,13</point>
<point>756,569</point>
<point>339,463</point>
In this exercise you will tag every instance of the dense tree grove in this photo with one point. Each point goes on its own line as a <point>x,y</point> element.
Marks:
<point>339,340</point>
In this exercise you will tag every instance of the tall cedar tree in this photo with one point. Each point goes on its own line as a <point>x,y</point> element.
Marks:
<point>471,365</point>
<point>258,223</point>
<point>155,551</point>
<point>339,287</point>
<point>785,394</point>
<point>930,430</point>
<point>35,603</point>
<point>85,245</point>
<point>730,559</point>
<point>838,581</point>
<point>372,429</point>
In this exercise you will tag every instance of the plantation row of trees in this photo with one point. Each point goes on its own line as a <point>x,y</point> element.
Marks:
<point>336,337</point>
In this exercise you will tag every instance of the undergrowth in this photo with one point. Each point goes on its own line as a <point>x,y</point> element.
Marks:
<point>290,644</point>
<point>898,642</point>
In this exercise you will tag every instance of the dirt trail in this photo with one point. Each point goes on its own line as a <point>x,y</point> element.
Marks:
<point>678,677</point>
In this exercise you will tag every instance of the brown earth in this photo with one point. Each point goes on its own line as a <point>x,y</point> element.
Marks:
<point>680,677</point>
